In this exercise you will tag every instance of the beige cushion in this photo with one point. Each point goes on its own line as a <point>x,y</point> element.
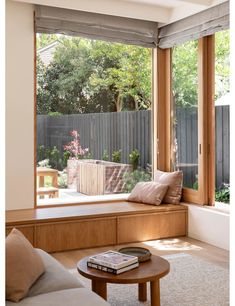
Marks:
<point>148,193</point>
<point>174,180</point>
<point>23,266</point>
<point>68,297</point>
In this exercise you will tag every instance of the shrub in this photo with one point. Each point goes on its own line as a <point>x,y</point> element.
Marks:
<point>134,158</point>
<point>55,158</point>
<point>105,155</point>
<point>66,156</point>
<point>41,153</point>
<point>62,179</point>
<point>54,114</point>
<point>44,163</point>
<point>132,178</point>
<point>223,194</point>
<point>116,156</point>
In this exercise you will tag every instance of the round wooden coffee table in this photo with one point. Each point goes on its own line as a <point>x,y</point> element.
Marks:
<point>149,271</point>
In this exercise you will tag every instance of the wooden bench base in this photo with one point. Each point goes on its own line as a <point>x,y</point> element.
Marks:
<point>92,225</point>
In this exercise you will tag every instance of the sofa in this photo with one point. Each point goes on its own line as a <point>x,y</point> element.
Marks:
<point>58,287</point>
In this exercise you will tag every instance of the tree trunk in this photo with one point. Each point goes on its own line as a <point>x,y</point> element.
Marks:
<point>118,103</point>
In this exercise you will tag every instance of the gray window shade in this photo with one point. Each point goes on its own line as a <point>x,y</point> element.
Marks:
<point>96,26</point>
<point>194,27</point>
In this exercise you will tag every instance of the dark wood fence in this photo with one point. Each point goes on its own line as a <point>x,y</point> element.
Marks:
<point>132,130</point>
<point>187,144</point>
<point>123,131</point>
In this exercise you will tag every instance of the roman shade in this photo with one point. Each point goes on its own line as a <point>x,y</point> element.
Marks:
<point>96,26</point>
<point>194,27</point>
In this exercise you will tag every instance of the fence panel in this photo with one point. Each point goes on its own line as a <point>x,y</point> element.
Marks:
<point>123,131</point>
<point>127,131</point>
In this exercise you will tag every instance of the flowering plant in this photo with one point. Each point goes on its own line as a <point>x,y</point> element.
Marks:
<point>74,147</point>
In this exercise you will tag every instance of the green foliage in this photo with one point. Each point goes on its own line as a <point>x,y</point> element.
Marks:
<point>185,70</point>
<point>134,158</point>
<point>223,195</point>
<point>55,158</point>
<point>185,74</point>
<point>41,152</point>
<point>88,76</point>
<point>222,63</point>
<point>50,157</point>
<point>116,156</point>
<point>63,179</point>
<point>44,163</point>
<point>54,114</point>
<point>105,155</point>
<point>66,156</point>
<point>44,39</point>
<point>132,178</point>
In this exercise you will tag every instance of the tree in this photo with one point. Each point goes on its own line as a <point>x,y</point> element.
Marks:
<point>185,74</point>
<point>185,70</point>
<point>94,76</point>
<point>222,63</point>
<point>128,75</point>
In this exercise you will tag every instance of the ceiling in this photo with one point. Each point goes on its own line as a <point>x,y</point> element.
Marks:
<point>162,11</point>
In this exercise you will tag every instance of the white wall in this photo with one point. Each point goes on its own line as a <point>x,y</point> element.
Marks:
<point>19,105</point>
<point>209,225</point>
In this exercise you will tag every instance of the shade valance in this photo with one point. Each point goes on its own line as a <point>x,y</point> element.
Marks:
<point>194,27</point>
<point>96,26</point>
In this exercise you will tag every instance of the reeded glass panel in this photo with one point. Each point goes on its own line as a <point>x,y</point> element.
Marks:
<point>185,108</point>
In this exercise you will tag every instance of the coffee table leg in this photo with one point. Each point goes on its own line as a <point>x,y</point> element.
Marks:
<point>155,293</point>
<point>100,288</point>
<point>143,292</point>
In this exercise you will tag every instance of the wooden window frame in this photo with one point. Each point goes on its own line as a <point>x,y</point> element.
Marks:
<point>162,119</point>
<point>206,119</point>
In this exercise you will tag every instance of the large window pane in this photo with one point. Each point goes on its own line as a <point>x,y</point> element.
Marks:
<point>93,117</point>
<point>222,116</point>
<point>185,108</point>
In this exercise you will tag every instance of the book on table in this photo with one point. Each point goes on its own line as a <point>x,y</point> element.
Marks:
<point>114,260</point>
<point>111,270</point>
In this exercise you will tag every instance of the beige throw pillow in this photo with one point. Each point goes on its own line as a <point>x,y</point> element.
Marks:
<point>23,266</point>
<point>174,180</point>
<point>148,193</point>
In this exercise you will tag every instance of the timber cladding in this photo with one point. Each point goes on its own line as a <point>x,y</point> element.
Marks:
<point>109,224</point>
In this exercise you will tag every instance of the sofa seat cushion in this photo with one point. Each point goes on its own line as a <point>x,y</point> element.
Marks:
<point>69,297</point>
<point>55,277</point>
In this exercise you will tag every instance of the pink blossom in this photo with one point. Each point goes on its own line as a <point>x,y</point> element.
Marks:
<point>74,146</point>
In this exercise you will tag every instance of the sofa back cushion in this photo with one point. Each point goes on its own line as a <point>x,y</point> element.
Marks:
<point>23,266</point>
<point>174,180</point>
<point>148,193</point>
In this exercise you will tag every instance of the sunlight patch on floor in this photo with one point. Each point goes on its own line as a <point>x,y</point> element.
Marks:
<point>172,245</point>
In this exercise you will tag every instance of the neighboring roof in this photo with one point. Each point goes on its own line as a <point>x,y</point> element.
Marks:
<point>46,53</point>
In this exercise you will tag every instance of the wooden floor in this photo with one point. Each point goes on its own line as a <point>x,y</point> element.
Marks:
<point>158,247</point>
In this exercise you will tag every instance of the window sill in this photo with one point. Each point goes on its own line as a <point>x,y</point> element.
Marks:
<point>82,200</point>
<point>220,208</point>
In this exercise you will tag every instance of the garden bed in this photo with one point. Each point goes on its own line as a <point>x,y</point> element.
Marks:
<point>97,177</point>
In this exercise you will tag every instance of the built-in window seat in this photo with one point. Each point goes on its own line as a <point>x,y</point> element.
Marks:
<point>90,225</point>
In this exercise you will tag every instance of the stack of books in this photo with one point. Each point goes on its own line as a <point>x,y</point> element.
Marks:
<point>113,262</point>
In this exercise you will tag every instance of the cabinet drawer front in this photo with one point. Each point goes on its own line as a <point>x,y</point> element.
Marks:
<point>71,235</point>
<point>149,227</point>
<point>27,231</point>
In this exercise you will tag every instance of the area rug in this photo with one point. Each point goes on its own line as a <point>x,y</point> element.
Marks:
<point>191,282</point>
